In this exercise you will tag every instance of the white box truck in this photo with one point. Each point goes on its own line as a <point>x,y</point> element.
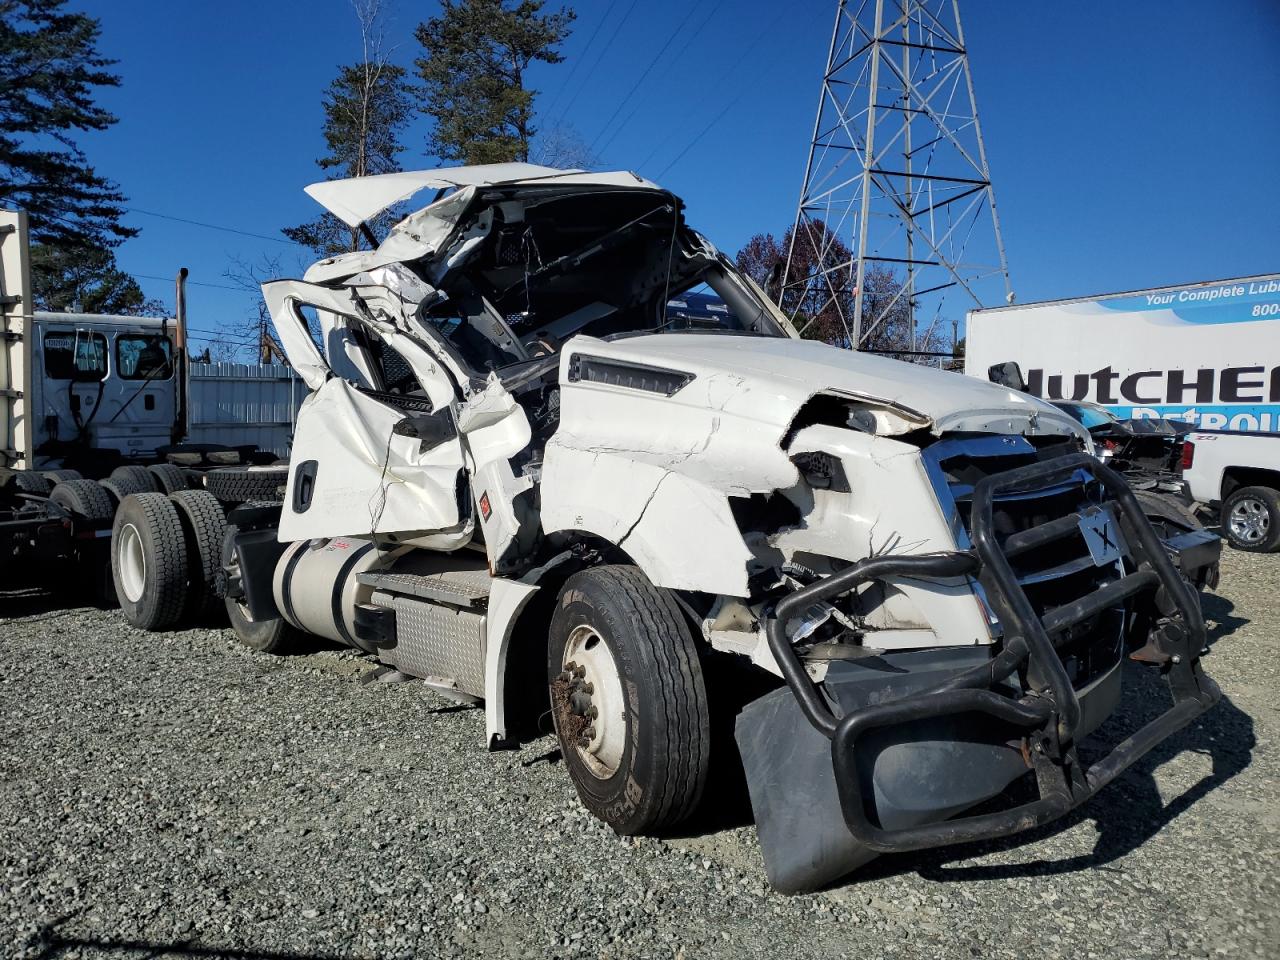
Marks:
<point>1207,354</point>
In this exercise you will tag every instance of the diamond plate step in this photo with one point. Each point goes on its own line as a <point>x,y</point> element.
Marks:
<point>457,588</point>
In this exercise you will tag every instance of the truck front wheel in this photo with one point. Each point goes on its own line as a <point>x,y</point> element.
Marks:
<point>628,700</point>
<point>1251,519</point>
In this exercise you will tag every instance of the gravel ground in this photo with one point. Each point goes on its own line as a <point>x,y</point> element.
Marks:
<point>177,795</point>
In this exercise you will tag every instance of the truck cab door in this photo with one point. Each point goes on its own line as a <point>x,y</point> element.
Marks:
<point>139,402</point>
<point>70,369</point>
<point>369,456</point>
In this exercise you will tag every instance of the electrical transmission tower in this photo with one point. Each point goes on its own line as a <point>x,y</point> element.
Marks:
<point>897,218</point>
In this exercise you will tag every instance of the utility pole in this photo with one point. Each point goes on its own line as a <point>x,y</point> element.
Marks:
<point>896,174</point>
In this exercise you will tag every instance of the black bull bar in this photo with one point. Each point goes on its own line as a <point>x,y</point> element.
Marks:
<point>1049,713</point>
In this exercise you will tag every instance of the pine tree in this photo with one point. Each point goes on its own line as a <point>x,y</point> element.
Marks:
<point>50,70</point>
<point>475,54</point>
<point>86,280</point>
<point>365,109</point>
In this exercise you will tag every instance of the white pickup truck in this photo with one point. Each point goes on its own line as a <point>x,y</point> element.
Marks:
<point>1237,473</point>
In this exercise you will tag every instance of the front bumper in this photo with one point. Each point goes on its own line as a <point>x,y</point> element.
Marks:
<point>915,738</point>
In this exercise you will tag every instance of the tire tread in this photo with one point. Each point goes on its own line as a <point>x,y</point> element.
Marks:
<point>682,755</point>
<point>206,526</point>
<point>167,579</point>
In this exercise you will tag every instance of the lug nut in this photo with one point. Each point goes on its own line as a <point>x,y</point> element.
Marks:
<point>588,687</point>
<point>589,733</point>
<point>578,671</point>
<point>593,713</point>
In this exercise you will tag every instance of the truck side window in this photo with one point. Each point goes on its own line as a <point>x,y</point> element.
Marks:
<point>75,355</point>
<point>143,357</point>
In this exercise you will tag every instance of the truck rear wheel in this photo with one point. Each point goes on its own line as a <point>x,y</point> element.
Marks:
<point>91,573</point>
<point>149,561</point>
<point>276,636</point>
<point>28,481</point>
<point>61,476</point>
<point>85,498</point>
<point>628,700</point>
<point>1251,519</point>
<point>205,526</point>
<point>242,484</point>
<point>125,481</point>
<point>170,478</point>
<point>139,478</point>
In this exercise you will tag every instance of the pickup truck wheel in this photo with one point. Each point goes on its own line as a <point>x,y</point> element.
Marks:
<point>149,561</point>
<point>276,636</point>
<point>1251,519</point>
<point>628,700</point>
<point>1170,517</point>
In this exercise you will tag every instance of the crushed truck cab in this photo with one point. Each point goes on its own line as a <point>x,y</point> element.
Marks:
<point>522,478</point>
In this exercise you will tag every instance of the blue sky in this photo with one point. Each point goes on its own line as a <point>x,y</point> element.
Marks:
<point>1131,144</point>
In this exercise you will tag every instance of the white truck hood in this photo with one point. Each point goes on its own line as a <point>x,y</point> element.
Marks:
<point>777,375</point>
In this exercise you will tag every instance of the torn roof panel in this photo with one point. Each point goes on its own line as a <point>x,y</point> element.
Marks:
<point>360,199</point>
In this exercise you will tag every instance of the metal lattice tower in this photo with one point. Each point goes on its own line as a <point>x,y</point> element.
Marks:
<point>897,216</point>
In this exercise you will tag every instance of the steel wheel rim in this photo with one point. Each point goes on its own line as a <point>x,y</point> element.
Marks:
<point>606,731</point>
<point>132,563</point>
<point>1249,520</point>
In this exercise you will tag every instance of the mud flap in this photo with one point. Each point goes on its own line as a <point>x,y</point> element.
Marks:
<point>921,772</point>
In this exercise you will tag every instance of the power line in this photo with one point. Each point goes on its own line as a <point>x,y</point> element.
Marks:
<point>195,283</point>
<point>214,226</point>
<point>693,35</point>
<point>728,106</point>
<point>241,339</point>
<point>652,63</point>
<point>555,98</point>
<point>612,37</point>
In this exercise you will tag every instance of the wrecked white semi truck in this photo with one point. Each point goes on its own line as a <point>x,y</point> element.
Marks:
<point>519,479</point>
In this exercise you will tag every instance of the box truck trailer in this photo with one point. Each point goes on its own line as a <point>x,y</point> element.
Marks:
<point>1207,355</point>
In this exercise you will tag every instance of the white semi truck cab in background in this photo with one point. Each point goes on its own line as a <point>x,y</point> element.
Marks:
<point>77,388</point>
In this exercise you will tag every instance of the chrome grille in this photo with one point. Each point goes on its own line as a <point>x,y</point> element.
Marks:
<point>1054,573</point>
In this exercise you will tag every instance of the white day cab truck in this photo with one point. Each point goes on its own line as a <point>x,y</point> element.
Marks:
<point>1207,354</point>
<point>93,409</point>
<point>519,478</point>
